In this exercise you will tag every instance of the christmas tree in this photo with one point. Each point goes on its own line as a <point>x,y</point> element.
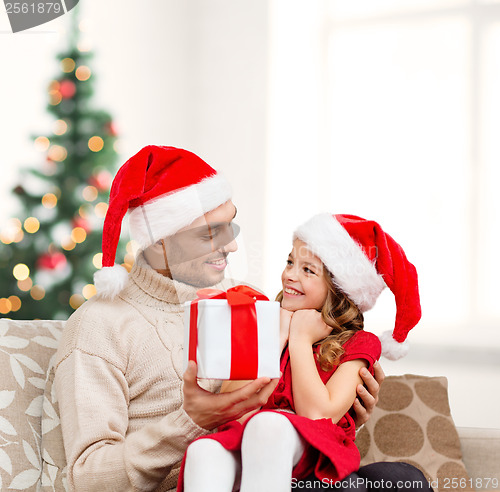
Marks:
<point>49,254</point>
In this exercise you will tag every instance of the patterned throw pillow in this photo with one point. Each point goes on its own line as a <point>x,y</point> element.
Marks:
<point>26,349</point>
<point>412,423</point>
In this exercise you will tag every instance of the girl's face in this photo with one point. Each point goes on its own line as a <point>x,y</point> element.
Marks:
<point>304,284</point>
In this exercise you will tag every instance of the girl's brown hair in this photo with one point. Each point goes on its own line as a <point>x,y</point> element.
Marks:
<point>343,316</point>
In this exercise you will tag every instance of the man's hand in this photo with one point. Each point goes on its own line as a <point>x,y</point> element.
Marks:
<point>368,394</point>
<point>210,410</point>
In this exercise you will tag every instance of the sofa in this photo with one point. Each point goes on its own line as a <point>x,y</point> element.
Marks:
<point>411,423</point>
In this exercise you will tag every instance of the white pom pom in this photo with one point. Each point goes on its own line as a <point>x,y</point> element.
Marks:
<point>391,349</point>
<point>110,281</point>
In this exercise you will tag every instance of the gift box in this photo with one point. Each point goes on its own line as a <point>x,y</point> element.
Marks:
<point>233,334</point>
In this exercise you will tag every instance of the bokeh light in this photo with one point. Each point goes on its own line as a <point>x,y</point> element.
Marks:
<point>84,45</point>
<point>21,271</point>
<point>55,98</point>
<point>41,144</point>
<point>5,306</point>
<point>19,236</point>
<point>57,153</point>
<point>100,209</point>
<point>49,200</point>
<point>60,127</point>
<point>83,73</point>
<point>12,232</point>
<point>97,260</point>
<point>31,225</point>
<point>68,65</point>
<point>37,292</point>
<point>25,285</point>
<point>15,303</point>
<point>90,193</point>
<point>89,291</point>
<point>68,244</point>
<point>78,235</point>
<point>96,143</point>
<point>76,300</point>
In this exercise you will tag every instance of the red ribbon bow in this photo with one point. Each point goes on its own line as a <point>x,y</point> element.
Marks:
<point>236,296</point>
<point>244,339</point>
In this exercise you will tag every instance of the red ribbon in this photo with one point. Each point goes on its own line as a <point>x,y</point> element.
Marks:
<point>244,338</point>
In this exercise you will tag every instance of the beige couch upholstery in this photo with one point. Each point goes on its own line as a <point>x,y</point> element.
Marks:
<point>31,451</point>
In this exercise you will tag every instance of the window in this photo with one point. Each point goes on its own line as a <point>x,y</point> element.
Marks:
<point>390,110</point>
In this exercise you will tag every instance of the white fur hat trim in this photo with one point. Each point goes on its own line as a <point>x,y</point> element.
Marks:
<point>168,214</point>
<point>110,281</point>
<point>392,349</point>
<point>352,271</point>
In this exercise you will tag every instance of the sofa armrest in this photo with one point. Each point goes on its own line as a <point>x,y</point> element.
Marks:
<point>481,454</point>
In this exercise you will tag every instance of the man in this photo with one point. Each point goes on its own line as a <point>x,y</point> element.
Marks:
<point>127,411</point>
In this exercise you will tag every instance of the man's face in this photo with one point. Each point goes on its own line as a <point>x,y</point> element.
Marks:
<point>197,254</point>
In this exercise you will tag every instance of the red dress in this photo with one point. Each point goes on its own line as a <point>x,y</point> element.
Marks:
<point>330,451</point>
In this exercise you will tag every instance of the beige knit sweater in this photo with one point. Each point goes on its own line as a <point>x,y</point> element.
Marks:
<point>119,385</point>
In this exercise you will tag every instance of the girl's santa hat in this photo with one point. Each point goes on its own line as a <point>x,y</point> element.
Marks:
<point>363,260</point>
<point>164,189</point>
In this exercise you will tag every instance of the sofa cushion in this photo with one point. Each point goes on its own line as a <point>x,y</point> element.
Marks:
<point>481,453</point>
<point>26,350</point>
<point>412,423</point>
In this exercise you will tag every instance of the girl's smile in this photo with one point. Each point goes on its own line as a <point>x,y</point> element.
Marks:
<point>290,291</point>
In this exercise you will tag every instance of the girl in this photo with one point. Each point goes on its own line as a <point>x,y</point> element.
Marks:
<point>337,268</point>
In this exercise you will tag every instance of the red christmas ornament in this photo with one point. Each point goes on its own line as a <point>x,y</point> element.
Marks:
<point>110,128</point>
<point>102,180</point>
<point>52,261</point>
<point>81,222</point>
<point>67,88</point>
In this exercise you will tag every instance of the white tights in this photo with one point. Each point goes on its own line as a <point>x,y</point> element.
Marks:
<point>270,448</point>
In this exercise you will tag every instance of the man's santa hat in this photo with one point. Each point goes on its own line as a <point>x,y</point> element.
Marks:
<point>164,189</point>
<point>363,260</point>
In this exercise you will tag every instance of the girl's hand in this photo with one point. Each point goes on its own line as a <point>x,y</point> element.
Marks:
<point>308,326</point>
<point>285,319</point>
